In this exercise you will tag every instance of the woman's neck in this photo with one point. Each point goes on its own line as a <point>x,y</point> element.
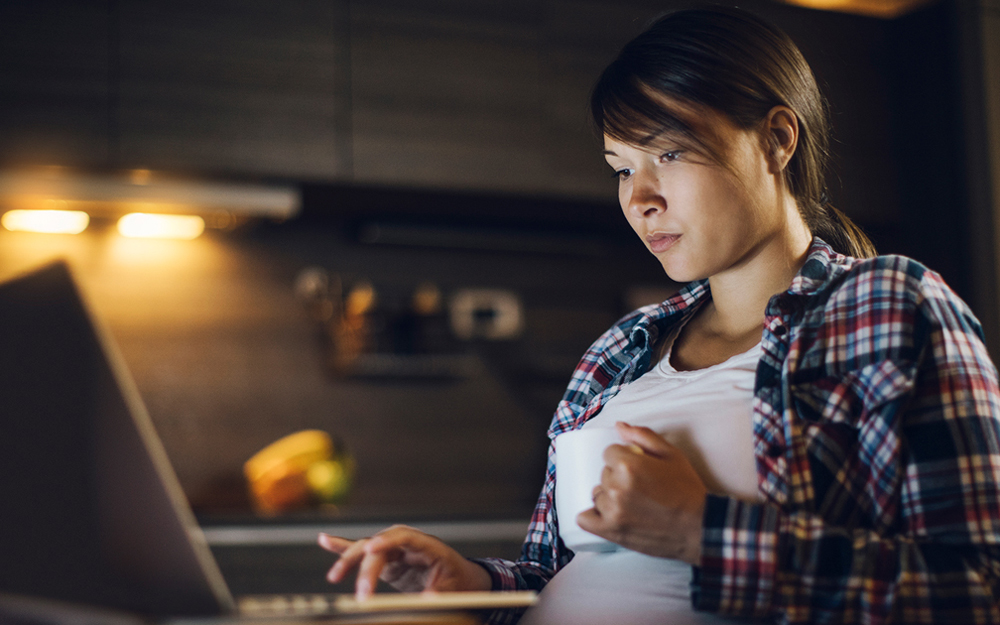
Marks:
<point>740,294</point>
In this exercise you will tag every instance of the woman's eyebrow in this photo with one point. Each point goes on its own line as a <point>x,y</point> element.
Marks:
<point>650,138</point>
<point>609,153</point>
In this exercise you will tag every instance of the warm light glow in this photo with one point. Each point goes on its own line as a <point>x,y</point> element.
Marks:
<point>887,9</point>
<point>140,176</point>
<point>48,221</point>
<point>151,226</point>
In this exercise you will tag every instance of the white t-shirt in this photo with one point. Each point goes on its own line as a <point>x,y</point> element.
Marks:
<point>708,414</point>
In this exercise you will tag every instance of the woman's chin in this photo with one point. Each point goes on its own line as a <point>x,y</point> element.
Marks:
<point>679,274</point>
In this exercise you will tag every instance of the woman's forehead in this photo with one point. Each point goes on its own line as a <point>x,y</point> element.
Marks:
<point>669,121</point>
<point>652,143</point>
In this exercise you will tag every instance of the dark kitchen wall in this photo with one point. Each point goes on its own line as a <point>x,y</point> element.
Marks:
<point>442,142</point>
<point>228,358</point>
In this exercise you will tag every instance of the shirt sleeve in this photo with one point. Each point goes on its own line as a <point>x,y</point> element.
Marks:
<point>542,554</point>
<point>937,559</point>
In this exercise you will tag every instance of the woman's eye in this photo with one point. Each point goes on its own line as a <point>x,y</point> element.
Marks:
<point>622,174</point>
<point>669,157</point>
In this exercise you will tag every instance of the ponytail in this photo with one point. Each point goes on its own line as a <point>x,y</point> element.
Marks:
<point>843,235</point>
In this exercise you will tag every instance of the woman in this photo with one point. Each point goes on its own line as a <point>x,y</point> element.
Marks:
<point>875,420</point>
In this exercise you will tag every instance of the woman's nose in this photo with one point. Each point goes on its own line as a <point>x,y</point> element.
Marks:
<point>647,198</point>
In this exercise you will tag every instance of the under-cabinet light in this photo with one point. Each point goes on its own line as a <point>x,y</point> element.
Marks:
<point>157,226</point>
<point>110,195</point>
<point>47,221</point>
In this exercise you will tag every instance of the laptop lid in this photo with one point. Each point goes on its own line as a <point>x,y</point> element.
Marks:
<point>90,508</point>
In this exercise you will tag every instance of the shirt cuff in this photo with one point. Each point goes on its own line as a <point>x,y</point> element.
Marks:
<point>503,578</point>
<point>739,555</point>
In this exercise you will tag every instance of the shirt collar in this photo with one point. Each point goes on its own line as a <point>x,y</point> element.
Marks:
<point>822,265</point>
<point>685,302</point>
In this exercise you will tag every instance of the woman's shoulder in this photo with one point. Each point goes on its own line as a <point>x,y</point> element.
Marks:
<point>891,275</point>
<point>896,267</point>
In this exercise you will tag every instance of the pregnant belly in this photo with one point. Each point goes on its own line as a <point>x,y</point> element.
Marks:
<point>619,587</point>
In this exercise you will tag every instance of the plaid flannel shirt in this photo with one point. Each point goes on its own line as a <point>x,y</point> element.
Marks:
<point>876,427</point>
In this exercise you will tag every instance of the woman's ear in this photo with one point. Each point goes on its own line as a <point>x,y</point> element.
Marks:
<point>782,128</point>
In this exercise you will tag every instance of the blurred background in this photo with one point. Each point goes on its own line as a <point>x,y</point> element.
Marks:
<point>400,230</point>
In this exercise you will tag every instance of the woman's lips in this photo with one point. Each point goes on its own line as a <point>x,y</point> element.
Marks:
<point>662,242</point>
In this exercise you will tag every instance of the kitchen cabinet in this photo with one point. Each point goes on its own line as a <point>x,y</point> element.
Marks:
<point>54,82</point>
<point>234,87</point>
<point>580,38</point>
<point>447,93</point>
<point>481,95</point>
<point>484,95</point>
<point>251,88</point>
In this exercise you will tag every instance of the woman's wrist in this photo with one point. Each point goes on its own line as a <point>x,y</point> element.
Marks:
<point>477,576</point>
<point>695,536</point>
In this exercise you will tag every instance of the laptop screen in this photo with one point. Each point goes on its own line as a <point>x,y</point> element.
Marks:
<point>90,509</point>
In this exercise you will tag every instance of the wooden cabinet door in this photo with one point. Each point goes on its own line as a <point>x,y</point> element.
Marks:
<point>447,94</point>
<point>580,38</point>
<point>54,95</point>
<point>235,86</point>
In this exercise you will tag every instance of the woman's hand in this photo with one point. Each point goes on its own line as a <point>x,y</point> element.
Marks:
<point>405,558</point>
<point>651,501</point>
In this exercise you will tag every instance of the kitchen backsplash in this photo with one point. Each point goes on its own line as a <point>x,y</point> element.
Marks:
<point>437,366</point>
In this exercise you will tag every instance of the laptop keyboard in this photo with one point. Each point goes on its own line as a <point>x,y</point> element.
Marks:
<point>310,604</point>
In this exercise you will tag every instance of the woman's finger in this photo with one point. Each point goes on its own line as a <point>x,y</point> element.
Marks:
<point>368,573</point>
<point>592,521</point>
<point>347,561</point>
<point>606,473</point>
<point>407,539</point>
<point>397,536</point>
<point>333,544</point>
<point>594,493</point>
<point>645,439</point>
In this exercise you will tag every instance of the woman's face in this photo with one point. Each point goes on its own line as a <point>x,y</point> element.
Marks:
<point>698,217</point>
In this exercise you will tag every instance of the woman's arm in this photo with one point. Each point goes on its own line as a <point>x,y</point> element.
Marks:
<point>908,526</point>
<point>758,561</point>
<point>541,553</point>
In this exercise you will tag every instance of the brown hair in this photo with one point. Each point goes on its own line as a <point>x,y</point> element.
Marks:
<point>741,66</point>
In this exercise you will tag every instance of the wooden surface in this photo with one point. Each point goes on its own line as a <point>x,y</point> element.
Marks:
<point>447,92</point>
<point>444,94</point>
<point>249,87</point>
<point>54,82</point>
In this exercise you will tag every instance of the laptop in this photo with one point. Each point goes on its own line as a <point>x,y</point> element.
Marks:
<point>91,512</point>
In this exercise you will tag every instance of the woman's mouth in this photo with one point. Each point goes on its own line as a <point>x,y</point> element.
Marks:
<point>661,242</point>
